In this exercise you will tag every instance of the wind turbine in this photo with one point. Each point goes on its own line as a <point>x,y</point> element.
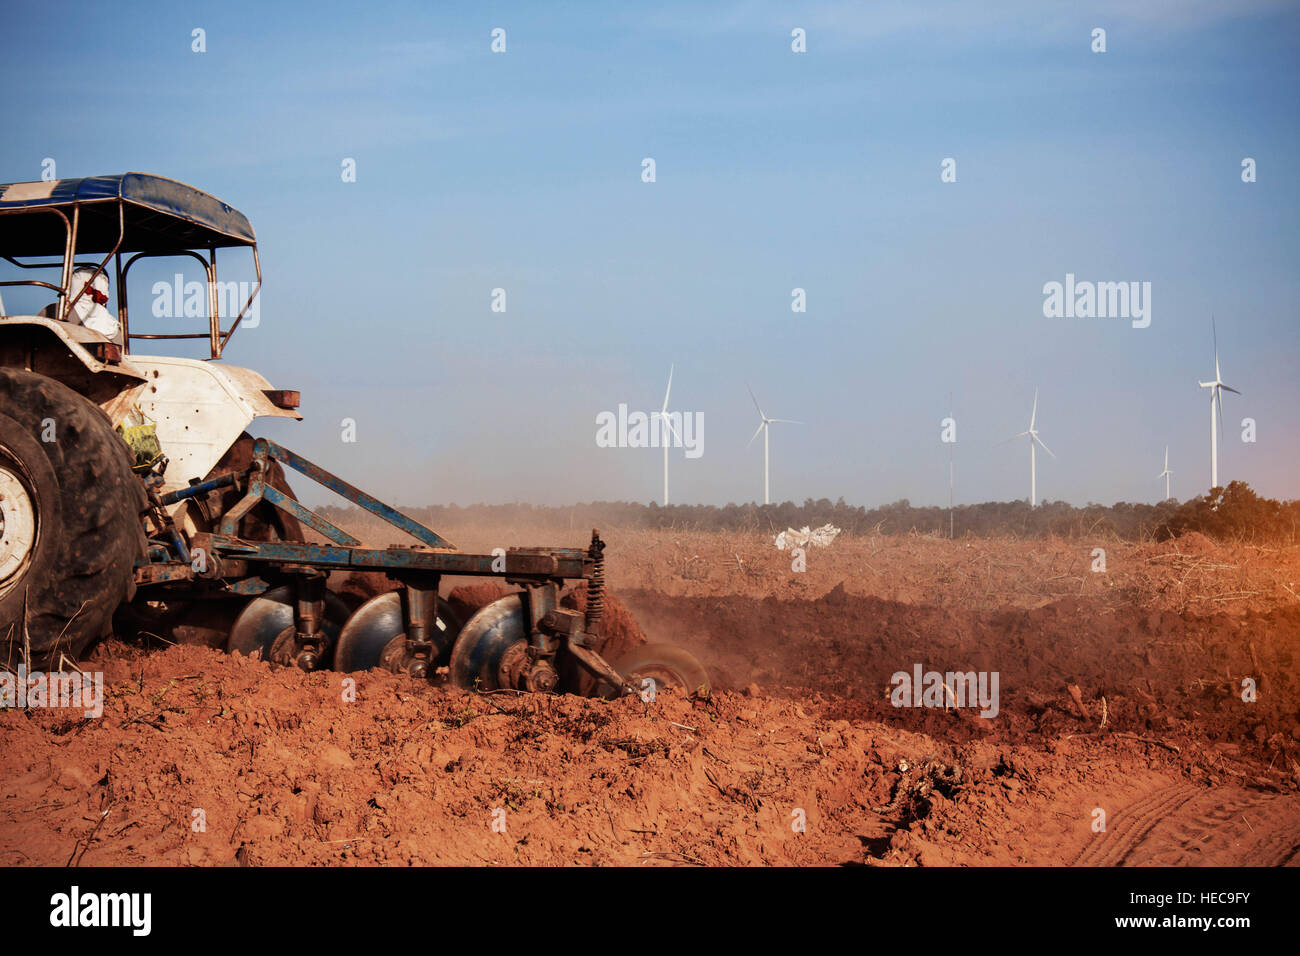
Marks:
<point>666,422</point>
<point>763,427</point>
<point>1217,388</point>
<point>1166,474</point>
<point>1032,432</point>
<point>950,444</point>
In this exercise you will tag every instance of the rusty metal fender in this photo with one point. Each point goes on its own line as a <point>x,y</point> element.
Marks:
<point>76,339</point>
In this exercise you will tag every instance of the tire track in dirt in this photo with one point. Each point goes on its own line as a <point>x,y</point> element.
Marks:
<point>1229,826</point>
<point>1185,826</point>
<point>1131,825</point>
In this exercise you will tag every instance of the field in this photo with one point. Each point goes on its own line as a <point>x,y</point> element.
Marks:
<point>1120,703</point>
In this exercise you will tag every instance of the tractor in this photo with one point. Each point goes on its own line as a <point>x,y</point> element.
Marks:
<point>133,499</point>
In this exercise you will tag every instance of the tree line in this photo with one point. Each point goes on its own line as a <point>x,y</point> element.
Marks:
<point>1235,513</point>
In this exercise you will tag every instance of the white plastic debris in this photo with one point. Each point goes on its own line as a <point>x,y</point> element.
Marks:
<point>818,537</point>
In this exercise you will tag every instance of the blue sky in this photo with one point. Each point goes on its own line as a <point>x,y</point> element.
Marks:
<point>775,170</point>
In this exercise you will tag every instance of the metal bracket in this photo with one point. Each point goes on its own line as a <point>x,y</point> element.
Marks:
<point>265,448</point>
<point>309,619</point>
<point>260,489</point>
<point>420,615</point>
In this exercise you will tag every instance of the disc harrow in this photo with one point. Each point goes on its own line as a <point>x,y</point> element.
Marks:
<point>525,641</point>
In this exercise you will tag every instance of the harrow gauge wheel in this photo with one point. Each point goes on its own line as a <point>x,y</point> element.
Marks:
<point>667,665</point>
<point>375,635</point>
<point>266,625</point>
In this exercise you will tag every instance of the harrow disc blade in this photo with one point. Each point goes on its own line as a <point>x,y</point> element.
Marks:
<point>377,623</point>
<point>484,640</point>
<point>269,618</point>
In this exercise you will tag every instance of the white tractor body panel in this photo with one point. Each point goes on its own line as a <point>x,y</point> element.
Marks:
<point>199,407</point>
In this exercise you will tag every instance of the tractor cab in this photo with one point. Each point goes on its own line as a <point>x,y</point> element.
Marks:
<point>102,226</point>
<point>69,247</point>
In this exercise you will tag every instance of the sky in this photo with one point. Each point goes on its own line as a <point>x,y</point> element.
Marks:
<point>774,170</point>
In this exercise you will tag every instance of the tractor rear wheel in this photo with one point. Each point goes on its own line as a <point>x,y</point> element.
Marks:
<point>70,526</point>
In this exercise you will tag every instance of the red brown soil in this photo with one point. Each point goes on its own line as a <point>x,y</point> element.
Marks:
<point>1178,677</point>
<point>285,770</point>
<point>468,598</point>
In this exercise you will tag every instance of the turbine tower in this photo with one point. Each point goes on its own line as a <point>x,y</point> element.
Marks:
<point>666,423</point>
<point>767,461</point>
<point>1166,474</point>
<point>1217,388</point>
<point>1032,432</point>
<point>950,444</point>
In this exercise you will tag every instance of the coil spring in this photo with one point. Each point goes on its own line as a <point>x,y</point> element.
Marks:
<point>596,583</point>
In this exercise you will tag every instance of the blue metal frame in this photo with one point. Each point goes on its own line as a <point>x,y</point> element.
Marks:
<point>260,490</point>
<point>548,564</point>
<point>243,563</point>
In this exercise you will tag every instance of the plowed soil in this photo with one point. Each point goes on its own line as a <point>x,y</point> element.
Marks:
<point>1121,738</point>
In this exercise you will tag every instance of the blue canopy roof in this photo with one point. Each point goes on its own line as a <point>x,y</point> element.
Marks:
<point>161,215</point>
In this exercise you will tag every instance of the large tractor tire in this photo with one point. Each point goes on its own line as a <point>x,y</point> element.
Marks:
<point>70,525</point>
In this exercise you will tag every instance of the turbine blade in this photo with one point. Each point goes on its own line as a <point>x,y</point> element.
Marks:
<point>1045,448</point>
<point>761,426</point>
<point>1013,438</point>
<point>669,389</point>
<point>784,421</point>
<point>756,405</point>
<point>1214,332</point>
<point>1228,388</point>
<point>1034,415</point>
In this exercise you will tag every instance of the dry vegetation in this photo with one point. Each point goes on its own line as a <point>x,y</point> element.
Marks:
<point>1186,574</point>
<point>1232,514</point>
